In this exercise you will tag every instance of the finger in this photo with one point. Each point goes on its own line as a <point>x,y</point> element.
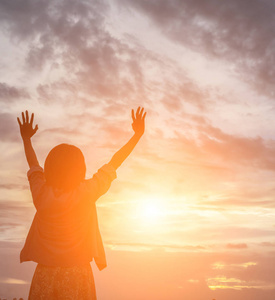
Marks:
<point>27,116</point>
<point>19,122</point>
<point>133,115</point>
<point>143,117</point>
<point>31,121</point>
<point>137,113</point>
<point>35,128</point>
<point>23,118</point>
<point>141,112</point>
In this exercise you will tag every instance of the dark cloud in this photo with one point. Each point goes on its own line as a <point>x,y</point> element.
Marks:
<point>10,93</point>
<point>15,209</point>
<point>212,144</point>
<point>176,95</point>
<point>9,129</point>
<point>71,38</point>
<point>241,32</point>
<point>10,267</point>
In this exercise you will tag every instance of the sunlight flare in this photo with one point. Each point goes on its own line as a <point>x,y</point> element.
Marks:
<point>151,210</point>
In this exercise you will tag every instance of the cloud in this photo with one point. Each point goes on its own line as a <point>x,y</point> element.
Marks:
<point>240,32</point>
<point>10,93</point>
<point>85,63</point>
<point>267,244</point>
<point>13,186</point>
<point>13,281</point>
<point>237,246</point>
<point>217,148</point>
<point>120,246</point>
<point>9,129</point>
<point>185,91</point>
<point>238,149</point>
<point>14,277</point>
<point>15,220</point>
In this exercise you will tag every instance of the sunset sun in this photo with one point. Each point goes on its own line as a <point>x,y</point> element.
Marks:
<point>151,210</point>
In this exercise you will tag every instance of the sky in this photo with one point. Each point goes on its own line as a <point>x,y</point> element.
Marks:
<point>191,214</point>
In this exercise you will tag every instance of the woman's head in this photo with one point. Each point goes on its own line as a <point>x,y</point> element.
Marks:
<point>64,167</point>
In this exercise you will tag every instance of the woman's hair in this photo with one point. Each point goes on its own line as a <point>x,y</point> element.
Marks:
<point>64,167</point>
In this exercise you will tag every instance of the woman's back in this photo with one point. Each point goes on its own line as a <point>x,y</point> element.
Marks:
<point>65,230</point>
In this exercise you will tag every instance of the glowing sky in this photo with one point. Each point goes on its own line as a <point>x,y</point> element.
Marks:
<point>192,212</point>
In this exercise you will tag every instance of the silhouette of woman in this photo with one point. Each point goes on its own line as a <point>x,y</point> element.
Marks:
<point>64,236</point>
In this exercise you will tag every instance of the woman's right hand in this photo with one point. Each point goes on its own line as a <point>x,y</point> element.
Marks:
<point>138,124</point>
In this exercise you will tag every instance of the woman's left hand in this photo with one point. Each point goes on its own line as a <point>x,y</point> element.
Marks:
<point>26,127</point>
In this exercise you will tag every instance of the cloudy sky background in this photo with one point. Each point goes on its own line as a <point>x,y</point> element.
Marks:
<point>192,213</point>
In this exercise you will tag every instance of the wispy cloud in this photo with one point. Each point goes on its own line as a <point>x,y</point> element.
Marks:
<point>239,32</point>
<point>10,93</point>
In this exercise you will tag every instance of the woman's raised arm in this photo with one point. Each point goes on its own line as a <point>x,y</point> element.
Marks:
<point>27,131</point>
<point>138,126</point>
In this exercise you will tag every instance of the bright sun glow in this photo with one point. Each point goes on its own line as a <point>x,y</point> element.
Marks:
<point>151,210</point>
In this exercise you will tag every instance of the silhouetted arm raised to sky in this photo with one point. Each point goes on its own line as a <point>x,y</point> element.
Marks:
<point>27,131</point>
<point>138,127</point>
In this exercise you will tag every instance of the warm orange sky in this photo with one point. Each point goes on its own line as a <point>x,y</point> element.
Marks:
<point>192,212</point>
